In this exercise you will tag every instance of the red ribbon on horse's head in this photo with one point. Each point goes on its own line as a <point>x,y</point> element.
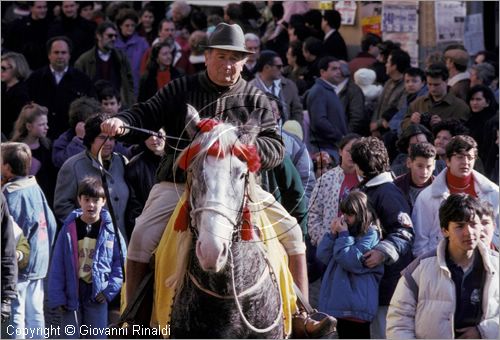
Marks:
<point>250,155</point>
<point>246,153</point>
<point>207,124</point>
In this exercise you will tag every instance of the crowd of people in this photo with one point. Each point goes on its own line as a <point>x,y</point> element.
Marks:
<point>384,174</point>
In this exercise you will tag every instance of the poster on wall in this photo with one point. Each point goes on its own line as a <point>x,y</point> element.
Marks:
<point>325,5</point>
<point>400,23</point>
<point>450,20</point>
<point>371,18</point>
<point>400,17</point>
<point>474,35</point>
<point>347,10</point>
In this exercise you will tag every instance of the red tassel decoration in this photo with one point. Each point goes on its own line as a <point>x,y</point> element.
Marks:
<point>182,220</point>
<point>246,227</point>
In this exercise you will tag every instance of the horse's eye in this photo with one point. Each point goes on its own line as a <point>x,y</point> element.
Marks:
<point>242,176</point>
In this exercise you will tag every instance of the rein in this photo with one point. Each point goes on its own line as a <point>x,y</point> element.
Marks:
<point>240,310</point>
<point>236,296</point>
<point>248,291</point>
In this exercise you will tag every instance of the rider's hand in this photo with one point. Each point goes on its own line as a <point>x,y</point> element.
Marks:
<point>113,127</point>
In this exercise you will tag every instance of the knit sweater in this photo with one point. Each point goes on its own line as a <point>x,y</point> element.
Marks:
<point>238,104</point>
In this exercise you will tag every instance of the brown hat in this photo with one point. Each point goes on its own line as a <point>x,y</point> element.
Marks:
<point>458,56</point>
<point>228,37</point>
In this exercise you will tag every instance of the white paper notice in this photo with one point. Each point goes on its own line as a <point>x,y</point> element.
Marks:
<point>450,19</point>
<point>400,17</point>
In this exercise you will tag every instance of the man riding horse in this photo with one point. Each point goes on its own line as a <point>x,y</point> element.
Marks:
<point>221,93</point>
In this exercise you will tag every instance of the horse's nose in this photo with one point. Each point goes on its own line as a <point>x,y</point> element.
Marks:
<point>221,262</point>
<point>212,256</point>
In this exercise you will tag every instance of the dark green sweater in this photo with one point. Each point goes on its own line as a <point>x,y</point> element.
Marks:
<point>285,184</point>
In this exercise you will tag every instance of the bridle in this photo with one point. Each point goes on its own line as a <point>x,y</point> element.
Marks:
<point>235,222</point>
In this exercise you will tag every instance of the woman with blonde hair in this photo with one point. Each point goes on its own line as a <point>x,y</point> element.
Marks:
<point>31,128</point>
<point>15,71</point>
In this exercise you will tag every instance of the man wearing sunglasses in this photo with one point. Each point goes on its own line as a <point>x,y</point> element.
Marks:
<point>270,80</point>
<point>104,61</point>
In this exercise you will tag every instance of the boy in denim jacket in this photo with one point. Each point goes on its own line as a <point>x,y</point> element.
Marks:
<point>30,210</point>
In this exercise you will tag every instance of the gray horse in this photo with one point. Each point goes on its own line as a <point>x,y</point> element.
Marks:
<point>229,289</point>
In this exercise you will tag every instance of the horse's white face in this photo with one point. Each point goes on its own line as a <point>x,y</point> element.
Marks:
<point>221,189</point>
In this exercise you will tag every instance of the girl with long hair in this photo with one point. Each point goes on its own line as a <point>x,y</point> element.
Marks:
<point>349,289</point>
<point>31,128</point>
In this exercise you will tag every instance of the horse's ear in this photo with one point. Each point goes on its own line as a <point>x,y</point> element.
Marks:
<point>249,131</point>
<point>192,120</point>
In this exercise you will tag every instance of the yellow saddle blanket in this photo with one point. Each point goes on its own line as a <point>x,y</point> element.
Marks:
<point>166,260</point>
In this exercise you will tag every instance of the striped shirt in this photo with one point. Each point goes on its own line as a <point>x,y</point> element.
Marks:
<point>239,104</point>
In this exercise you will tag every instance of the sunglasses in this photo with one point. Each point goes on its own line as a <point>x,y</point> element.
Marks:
<point>5,68</point>
<point>278,66</point>
<point>111,35</point>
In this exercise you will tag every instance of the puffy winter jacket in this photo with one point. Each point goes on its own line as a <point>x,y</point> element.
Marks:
<point>423,305</point>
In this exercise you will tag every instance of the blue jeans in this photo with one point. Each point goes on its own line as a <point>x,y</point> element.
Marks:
<point>91,318</point>
<point>27,309</point>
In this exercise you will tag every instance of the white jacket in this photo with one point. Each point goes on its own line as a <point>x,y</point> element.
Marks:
<point>425,215</point>
<point>423,305</point>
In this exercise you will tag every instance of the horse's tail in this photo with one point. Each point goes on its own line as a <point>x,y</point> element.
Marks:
<point>176,280</point>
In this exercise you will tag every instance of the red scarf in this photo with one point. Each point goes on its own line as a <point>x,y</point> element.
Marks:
<point>162,78</point>
<point>460,185</point>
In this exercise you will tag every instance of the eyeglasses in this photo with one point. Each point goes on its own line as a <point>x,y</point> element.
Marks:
<point>111,35</point>
<point>463,156</point>
<point>280,66</point>
<point>5,68</point>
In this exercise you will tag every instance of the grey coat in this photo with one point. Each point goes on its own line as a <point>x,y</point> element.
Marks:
<point>81,165</point>
<point>289,94</point>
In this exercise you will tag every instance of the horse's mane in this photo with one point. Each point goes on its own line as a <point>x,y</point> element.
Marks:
<point>226,136</point>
